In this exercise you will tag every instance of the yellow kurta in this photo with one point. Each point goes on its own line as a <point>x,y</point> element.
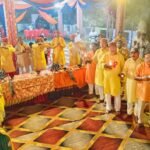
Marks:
<point>58,44</point>
<point>38,52</point>
<point>129,70</point>
<point>74,54</point>
<point>6,58</point>
<point>99,73</point>
<point>124,52</point>
<point>2,106</point>
<point>111,76</point>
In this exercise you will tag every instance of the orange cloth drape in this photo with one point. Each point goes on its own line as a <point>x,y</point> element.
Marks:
<point>62,79</point>
<point>19,18</point>
<point>26,89</point>
<point>47,17</point>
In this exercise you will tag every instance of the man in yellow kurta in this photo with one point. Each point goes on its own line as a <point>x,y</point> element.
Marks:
<point>113,63</point>
<point>143,85</point>
<point>129,72</point>
<point>6,57</point>
<point>58,44</point>
<point>99,74</point>
<point>38,54</point>
<point>74,54</point>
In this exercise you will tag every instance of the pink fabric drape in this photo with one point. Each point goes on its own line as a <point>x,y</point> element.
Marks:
<point>47,17</point>
<point>19,18</point>
<point>22,6</point>
<point>1,2</point>
<point>43,1</point>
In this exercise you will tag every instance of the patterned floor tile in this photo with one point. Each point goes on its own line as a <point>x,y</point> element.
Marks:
<point>84,104</point>
<point>35,123</point>
<point>118,129</point>
<point>141,133</point>
<point>93,114</point>
<point>134,145</point>
<point>15,121</point>
<point>106,143</point>
<point>32,109</point>
<point>99,107</point>
<point>17,145</point>
<point>70,126</point>
<point>91,125</point>
<point>51,136</point>
<point>52,111</point>
<point>104,117</point>
<point>77,140</point>
<point>28,137</point>
<point>65,101</point>
<point>17,133</point>
<point>124,117</point>
<point>33,147</point>
<point>74,123</point>
<point>73,114</point>
<point>57,123</point>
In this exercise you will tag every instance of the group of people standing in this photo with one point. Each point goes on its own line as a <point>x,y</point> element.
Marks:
<point>24,58</point>
<point>113,70</point>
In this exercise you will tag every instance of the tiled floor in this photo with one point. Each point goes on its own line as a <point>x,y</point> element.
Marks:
<point>74,123</point>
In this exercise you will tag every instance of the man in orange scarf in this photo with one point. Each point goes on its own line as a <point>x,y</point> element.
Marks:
<point>143,85</point>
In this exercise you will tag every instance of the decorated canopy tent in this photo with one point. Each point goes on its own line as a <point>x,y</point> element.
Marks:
<point>43,8</point>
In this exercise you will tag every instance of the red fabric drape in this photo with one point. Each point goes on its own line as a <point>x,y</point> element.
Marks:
<point>47,17</point>
<point>18,19</point>
<point>22,6</point>
<point>43,1</point>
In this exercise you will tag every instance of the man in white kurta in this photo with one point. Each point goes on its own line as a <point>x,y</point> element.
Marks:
<point>129,72</point>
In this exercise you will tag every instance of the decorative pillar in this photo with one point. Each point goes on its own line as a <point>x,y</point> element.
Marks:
<point>120,15</point>
<point>10,20</point>
<point>60,21</point>
<point>79,17</point>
